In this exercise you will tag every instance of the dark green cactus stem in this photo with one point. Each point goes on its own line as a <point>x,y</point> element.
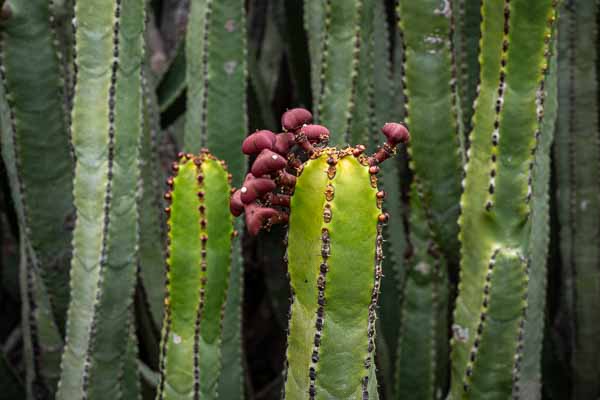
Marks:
<point>422,352</point>
<point>216,80</point>
<point>35,132</point>
<point>198,267</point>
<point>334,224</point>
<point>340,36</point>
<point>500,201</point>
<point>107,125</point>
<point>11,385</point>
<point>385,109</point>
<point>131,377</point>
<point>531,375</point>
<point>152,231</point>
<point>577,165</point>
<point>431,113</point>
<point>466,49</point>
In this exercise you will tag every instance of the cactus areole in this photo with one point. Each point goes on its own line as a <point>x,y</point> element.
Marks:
<point>334,211</point>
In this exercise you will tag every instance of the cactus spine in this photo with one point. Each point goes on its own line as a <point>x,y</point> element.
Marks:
<point>107,124</point>
<point>198,269</point>
<point>577,164</point>
<point>499,202</point>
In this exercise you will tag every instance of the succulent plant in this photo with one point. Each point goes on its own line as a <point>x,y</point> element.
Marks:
<point>334,248</point>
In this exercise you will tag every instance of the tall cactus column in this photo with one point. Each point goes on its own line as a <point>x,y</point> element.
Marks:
<point>107,123</point>
<point>496,222</point>
<point>36,153</point>
<point>334,251</point>
<point>430,92</point>
<point>216,118</point>
<point>198,268</point>
<point>577,171</point>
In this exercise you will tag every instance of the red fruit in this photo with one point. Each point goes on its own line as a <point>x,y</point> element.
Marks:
<point>267,163</point>
<point>258,141</point>
<point>395,133</point>
<point>293,119</point>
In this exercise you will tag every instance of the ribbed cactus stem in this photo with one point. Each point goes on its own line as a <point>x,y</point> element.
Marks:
<point>422,351</point>
<point>107,129</point>
<point>198,268</point>
<point>215,51</point>
<point>430,90</point>
<point>578,179</point>
<point>336,221</point>
<point>35,133</point>
<point>497,203</point>
<point>340,35</point>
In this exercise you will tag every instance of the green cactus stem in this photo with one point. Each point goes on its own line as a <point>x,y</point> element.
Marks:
<point>335,222</point>
<point>199,261</point>
<point>500,202</point>
<point>340,37</point>
<point>577,162</point>
<point>107,125</point>
<point>216,80</point>
<point>35,132</point>
<point>422,350</point>
<point>466,49</point>
<point>216,76</point>
<point>430,92</point>
<point>152,232</point>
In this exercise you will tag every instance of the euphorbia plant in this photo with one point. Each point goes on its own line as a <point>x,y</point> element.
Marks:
<point>334,256</point>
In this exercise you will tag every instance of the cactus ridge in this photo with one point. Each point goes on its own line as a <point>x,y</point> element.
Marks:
<point>501,322</point>
<point>152,227</point>
<point>107,197</point>
<point>468,42</point>
<point>454,82</point>
<point>194,307</point>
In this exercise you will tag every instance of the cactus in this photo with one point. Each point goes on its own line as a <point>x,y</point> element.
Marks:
<point>216,76</point>
<point>430,93</point>
<point>577,174</point>
<point>340,37</point>
<point>198,268</point>
<point>216,102</point>
<point>499,203</point>
<point>466,49</point>
<point>34,125</point>
<point>333,312</point>
<point>152,232</point>
<point>421,357</point>
<point>394,247</point>
<point>107,124</point>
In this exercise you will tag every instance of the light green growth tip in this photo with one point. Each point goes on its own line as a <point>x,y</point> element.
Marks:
<point>335,267</point>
